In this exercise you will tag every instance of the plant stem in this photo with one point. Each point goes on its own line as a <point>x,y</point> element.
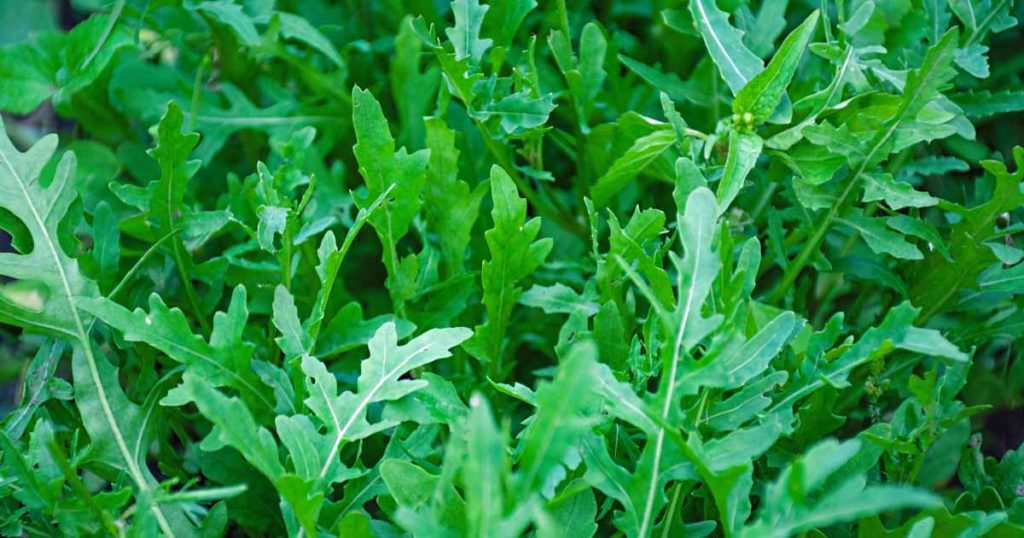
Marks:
<point>79,488</point>
<point>177,248</point>
<point>197,88</point>
<point>504,161</point>
<point>812,244</point>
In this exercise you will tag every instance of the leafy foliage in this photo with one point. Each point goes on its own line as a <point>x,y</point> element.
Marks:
<point>695,268</point>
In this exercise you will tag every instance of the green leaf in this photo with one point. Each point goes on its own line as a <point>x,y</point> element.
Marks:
<point>514,255</point>
<point>504,19</point>
<point>408,484</point>
<point>107,244</point>
<point>120,431</point>
<point>725,45</point>
<point>881,239</point>
<point>737,366</point>
<point>973,60</point>
<point>233,16</point>
<point>745,404</point>
<point>331,258</point>
<point>28,72</point>
<point>686,326</point>
<point>936,285</point>
<point>649,377</point>
<point>465,35</point>
<point>998,279</point>
<point>58,65</point>
<point>669,83</point>
<point>451,206</point>
<point>167,194</point>
<point>770,23</point>
<point>925,83</point>
<point>294,340</point>
<point>984,104</point>
<point>171,154</point>
<point>300,29</point>
<point>983,16</point>
<point>345,416</point>
<point>744,149</point>
<point>234,425</point>
<point>585,75</point>
<point>382,169</point>
<point>790,509</point>
<point>559,299</point>
<point>875,342</point>
<point>40,385</point>
<point>764,92</point>
<point>482,472</point>
<point>573,514</point>
<point>273,221</point>
<point>560,422</point>
<point>696,270</point>
<point>218,124</point>
<point>413,86</point>
<point>518,112</point>
<point>224,361</point>
<point>348,329</point>
<point>40,210</point>
<point>98,395</point>
<point>897,195</point>
<point>643,151</point>
<point>88,50</point>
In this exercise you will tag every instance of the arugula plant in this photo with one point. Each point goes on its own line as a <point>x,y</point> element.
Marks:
<point>693,268</point>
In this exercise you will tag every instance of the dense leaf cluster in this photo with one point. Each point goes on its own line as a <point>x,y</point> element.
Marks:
<point>676,268</point>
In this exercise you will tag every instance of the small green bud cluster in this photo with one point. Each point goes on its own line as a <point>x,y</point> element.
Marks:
<point>743,122</point>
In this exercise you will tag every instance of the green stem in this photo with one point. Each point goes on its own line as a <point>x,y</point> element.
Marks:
<point>142,259</point>
<point>670,515</point>
<point>827,24</point>
<point>763,201</point>
<point>810,248</point>
<point>504,161</point>
<point>197,87</point>
<point>812,245</point>
<point>76,484</point>
<point>115,13</point>
<point>177,250</point>
<point>286,258</point>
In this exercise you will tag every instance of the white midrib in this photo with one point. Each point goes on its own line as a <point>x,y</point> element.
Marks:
<point>984,22</point>
<point>751,356</point>
<point>1004,280</point>
<point>622,401</point>
<point>774,77</point>
<point>973,19</point>
<point>936,6</point>
<point>83,339</point>
<point>718,43</point>
<point>467,37</point>
<point>666,406</point>
<point>815,384</point>
<point>839,77</point>
<point>723,412</point>
<point>358,411</point>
